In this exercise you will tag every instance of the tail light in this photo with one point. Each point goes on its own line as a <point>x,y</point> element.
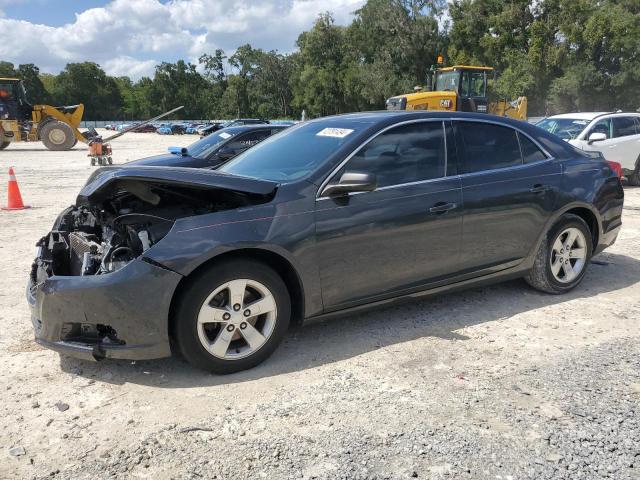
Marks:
<point>616,167</point>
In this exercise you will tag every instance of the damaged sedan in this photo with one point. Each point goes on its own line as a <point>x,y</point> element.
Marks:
<point>329,217</point>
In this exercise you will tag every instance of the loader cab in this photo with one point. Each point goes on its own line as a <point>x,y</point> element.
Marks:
<point>13,100</point>
<point>468,83</point>
<point>458,88</point>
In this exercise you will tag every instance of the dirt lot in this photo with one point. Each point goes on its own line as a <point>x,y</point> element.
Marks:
<point>500,382</point>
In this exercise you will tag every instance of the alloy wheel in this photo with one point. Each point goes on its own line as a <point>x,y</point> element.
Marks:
<point>237,319</point>
<point>568,255</point>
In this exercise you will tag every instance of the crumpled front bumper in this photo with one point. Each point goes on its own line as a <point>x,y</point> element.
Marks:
<point>133,301</point>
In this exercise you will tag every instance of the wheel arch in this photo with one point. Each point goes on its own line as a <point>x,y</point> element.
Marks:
<point>279,263</point>
<point>585,211</point>
<point>590,218</point>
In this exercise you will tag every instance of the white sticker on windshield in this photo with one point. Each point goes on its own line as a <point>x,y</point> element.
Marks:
<point>225,135</point>
<point>334,132</point>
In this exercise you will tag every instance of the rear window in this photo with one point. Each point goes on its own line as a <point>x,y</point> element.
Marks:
<point>530,152</point>
<point>624,126</point>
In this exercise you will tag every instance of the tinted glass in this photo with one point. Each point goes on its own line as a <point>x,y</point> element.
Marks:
<point>487,146</point>
<point>404,154</point>
<point>624,126</point>
<point>247,140</point>
<point>207,145</point>
<point>295,152</point>
<point>602,126</point>
<point>530,152</point>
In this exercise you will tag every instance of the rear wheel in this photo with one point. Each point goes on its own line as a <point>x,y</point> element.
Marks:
<point>634,178</point>
<point>563,257</point>
<point>232,316</point>
<point>57,136</point>
<point>4,145</point>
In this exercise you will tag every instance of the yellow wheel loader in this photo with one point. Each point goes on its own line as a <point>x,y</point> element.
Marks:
<point>56,127</point>
<point>459,88</point>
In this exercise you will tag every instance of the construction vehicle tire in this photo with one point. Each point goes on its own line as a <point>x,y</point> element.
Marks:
<point>4,145</point>
<point>57,136</point>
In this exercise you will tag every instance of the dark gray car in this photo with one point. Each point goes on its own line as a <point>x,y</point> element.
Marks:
<point>331,216</point>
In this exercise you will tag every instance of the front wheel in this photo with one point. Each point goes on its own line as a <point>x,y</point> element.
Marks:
<point>563,257</point>
<point>4,145</point>
<point>57,136</point>
<point>232,316</point>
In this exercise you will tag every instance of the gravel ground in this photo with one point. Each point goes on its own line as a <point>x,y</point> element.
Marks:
<point>499,382</point>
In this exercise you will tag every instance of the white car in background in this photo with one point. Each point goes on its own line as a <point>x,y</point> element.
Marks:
<point>615,135</point>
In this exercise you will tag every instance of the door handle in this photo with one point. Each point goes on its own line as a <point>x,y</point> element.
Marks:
<point>538,188</point>
<point>442,207</point>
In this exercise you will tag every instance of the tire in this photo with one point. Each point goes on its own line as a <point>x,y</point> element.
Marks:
<point>634,178</point>
<point>222,346</point>
<point>57,136</point>
<point>4,145</point>
<point>549,273</point>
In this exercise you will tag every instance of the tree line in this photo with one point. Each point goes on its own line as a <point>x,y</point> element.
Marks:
<point>564,55</point>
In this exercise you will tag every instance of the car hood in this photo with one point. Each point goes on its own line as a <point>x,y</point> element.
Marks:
<point>111,181</point>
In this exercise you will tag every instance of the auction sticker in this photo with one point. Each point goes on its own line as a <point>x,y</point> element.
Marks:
<point>334,132</point>
<point>225,135</point>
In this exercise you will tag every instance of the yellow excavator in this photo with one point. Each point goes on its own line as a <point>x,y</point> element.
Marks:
<point>461,88</point>
<point>56,127</point>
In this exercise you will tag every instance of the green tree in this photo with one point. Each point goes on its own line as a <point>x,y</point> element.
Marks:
<point>317,80</point>
<point>7,69</point>
<point>88,84</point>
<point>36,91</point>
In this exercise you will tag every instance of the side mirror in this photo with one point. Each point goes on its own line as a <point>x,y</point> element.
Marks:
<point>351,182</point>
<point>597,137</point>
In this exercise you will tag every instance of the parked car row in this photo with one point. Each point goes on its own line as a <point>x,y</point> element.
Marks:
<point>327,217</point>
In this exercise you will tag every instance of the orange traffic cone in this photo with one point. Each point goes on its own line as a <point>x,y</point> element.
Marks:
<point>14,201</point>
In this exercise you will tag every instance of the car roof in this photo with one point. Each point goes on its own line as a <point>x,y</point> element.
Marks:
<point>370,122</point>
<point>246,128</point>
<point>580,115</point>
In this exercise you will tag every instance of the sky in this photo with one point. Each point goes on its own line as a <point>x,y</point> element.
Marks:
<point>130,37</point>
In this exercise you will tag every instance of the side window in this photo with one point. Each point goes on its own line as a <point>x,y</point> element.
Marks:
<point>486,146</point>
<point>637,120</point>
<point>404,154</point>
<point>530,152</point>
<point>601,126</point>
<point>624,126</point>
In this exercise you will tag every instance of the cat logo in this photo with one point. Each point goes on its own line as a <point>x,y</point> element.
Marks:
<point>445,103</point>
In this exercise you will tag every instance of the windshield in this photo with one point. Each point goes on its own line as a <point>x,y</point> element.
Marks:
<point>565,128</point>
<point>447,81</point>
<point>207,145</point>
<point>293,153</point>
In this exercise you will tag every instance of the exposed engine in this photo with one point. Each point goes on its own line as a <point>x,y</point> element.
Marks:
<point>96,240</point>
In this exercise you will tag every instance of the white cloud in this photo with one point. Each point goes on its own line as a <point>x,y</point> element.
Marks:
<point>128,66</point>
<point>130,37</point>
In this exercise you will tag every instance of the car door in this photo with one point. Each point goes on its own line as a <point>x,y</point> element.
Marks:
<point>401,236</point>
<point>602,125</point>
<point>627,137</point>
<point>509,189</point>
